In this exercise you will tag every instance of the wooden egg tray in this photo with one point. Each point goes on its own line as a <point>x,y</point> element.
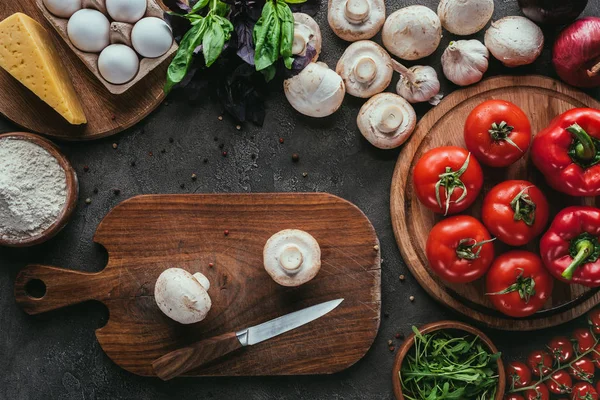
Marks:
<point>120,32</point>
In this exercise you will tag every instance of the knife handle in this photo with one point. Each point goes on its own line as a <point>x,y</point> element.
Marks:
<point>196,355</point>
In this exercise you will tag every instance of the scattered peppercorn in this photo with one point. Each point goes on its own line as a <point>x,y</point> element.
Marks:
<point>166,104</point>
<point>238,127</point>
<point>117,191</point>
<point>86,168</point>
<point>216,139</point>
<point>88,201</point>
<point>253,156</point>
<point>95,190</point>
<point>163,151</point>
<point>281,140</point>
<point>392,348</point>
<point>224,154</point>
<point>402,278</point>
<point>210,265</point>
<point>220,118</point>
<point>305,174</point>
<point>182,186</point>
<point>133,163</point>
<point>171,140</point>
<point>390,343</point>
<point>150,153</point>
<point>295,157</point>
<point>412,298</point>
<point>376,247</point>
<point>386,314</point>
<point>113,117</point>
<point>226,232</point>
<point>194,177</point>
<point>115,145</point>
<point>205,160</point>
<point>221,145</point>
<point>399,336</point>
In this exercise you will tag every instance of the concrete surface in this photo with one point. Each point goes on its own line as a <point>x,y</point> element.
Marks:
<point>56,355</point>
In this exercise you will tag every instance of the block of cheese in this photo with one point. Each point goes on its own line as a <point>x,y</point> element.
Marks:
<point>28,54</point>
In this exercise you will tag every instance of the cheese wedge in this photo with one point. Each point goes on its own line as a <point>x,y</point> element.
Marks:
<point>27,53</point>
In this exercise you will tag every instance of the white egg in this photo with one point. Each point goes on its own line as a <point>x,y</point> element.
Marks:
<point>151,37</point>
<point>63,8</point>
<point>126,10</point>
<point>118,64</point>
<point>89,30</point>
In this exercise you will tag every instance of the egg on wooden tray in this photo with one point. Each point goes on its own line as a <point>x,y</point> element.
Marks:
<point>151,37</point>
<point>126,10</point>
<point>118,64</point>
<point>63,8</point>
<point>89,30</point>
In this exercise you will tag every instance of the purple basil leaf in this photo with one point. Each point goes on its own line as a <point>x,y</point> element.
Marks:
<point>300,62</point>
<point>245,44</point>
<point>310,7</point>
<point>179,25</point>
<point>178,6</point>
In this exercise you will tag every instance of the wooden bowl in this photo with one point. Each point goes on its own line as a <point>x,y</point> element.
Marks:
<point>72,191</point>
<point>448,325</point>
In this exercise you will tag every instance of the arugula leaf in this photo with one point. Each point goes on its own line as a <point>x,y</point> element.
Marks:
<point>181,62</point>
<point>267,37</point>
<point>287,33</point>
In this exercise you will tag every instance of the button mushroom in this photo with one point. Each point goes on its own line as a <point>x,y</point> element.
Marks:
<point>465,17</point>
<point>366,69</point>
<point>306,34</point>
<point>354,20</point>
<point>412,32</point>
<point>317,91</point>
<point>183,297</point>
<point>386,120</point>
<point>292,257</point>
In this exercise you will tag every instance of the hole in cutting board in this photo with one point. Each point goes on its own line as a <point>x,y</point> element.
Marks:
<point>35,289</point>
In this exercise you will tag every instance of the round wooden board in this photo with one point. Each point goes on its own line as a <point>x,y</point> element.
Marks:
<point>107,114</point>
<point>542,99</point>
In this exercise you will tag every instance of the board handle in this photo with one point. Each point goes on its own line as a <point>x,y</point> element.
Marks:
<point>188,358</point>
<point>41,288</point>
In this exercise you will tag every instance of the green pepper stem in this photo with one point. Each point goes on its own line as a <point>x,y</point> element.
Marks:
<point>584,150</point>
<point>584,249</point>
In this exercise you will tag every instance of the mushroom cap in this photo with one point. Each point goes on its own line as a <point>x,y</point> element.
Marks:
<point>306,31</point>
<point>386,120</point>
<point>292,257</point>
<point>316,91</point>
<point>182,296</point>
<point>514,41</point>
<point>366,69</point>
<point>354,20</point>
<point>465,17</point>
<point>412,32</point>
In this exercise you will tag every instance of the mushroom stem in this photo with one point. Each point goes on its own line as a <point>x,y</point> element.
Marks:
<point>291,258</point>
<point>594,70</point>
<point>357,11</point>
<point>365,70</point>
<point>299,44</point>
<point>402,70</point>
<point>390,119</point>
<point>202,280</point>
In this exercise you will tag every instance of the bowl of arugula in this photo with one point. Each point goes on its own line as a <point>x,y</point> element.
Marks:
<point>448,360</point>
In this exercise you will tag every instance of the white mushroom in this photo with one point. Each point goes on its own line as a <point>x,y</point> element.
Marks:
<point>354,20</point>
<point>182,296</point>
<point>412,32</point>
<point>306,33</point>
<point>514,41</point>
<point>292,257</point>
<point>317,91</point>
<point>465,17</point>
<point>366,69</point>
<point>386,120</point>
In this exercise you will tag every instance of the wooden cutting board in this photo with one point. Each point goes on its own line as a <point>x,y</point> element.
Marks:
<point>148,234</point>
<point>542,99</point>
<point>106,113</point>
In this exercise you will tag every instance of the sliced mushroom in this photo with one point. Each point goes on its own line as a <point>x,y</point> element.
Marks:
<point>386,120</point>
<point>354,20</point>
<point>317,91</point>
<point>366,69</point>
<point>306,33</point>
<point>183,297</point>
<point>412,32</point>
<point>292,257</point>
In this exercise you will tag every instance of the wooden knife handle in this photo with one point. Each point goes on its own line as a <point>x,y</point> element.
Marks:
<point>188,358</point>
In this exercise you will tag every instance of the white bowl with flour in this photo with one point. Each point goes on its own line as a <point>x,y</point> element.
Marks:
<point>38,190</point>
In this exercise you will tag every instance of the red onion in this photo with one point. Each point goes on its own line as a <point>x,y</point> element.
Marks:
<point>576,53</point>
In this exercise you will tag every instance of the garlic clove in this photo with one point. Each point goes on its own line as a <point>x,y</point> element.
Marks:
<point>465,61</point>
<point>418,84</point>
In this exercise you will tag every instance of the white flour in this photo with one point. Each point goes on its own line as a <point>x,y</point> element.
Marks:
<point>33,189</point>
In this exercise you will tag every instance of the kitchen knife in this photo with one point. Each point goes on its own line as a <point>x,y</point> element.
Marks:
<point>183,360</point>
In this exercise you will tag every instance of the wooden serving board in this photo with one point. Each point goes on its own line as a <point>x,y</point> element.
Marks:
<point>106,113</point>
<point>148,234</point>
<point>542,99</point>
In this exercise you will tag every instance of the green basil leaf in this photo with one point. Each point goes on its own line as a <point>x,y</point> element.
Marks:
<point>181,62</point>
<point>287,33</point>
<point>269,72</point>
<point>295,1</point>
<point>219,8</point>
<point>213,42</point>
<point>267,37</point>
<point>198,6</point>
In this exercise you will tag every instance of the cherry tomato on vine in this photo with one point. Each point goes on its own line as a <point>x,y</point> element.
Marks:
<point>540,392</point>
<point>539,361</point>
<point>583,369</point>
<point>515,212</point>
<point>459,249</point>
<point>447,179</point>
<point>561,349</point>
<point>560,383</point>
<point>514,396</point>
<point>594,320</point>
<point>498,133</point>
<point>518,284</point>
<point>596,356</point>
<point>584,391</point>
<point>585,340</point>
<point>518,374</point>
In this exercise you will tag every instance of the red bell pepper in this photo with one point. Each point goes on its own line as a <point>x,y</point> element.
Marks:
<point>570,249</point>
<point>568,152</point>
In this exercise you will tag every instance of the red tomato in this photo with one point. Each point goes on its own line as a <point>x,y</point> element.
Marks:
<point>515,212</point>
<point>539,362</point>
<point>594,320</point>
<point>539,393</point>
<point>598,387</point>
<point>498,133</point>
<point>584,391</point>
<point>583,369</point>
<point>560,383</point>
<point>585,340</point>
<point>518,375</point>
<point>518,284</point>
<point>561,349</point>
<point>459,249</point>
<point>458,176</point>
<point>596,356</point>
<point>514,397</point>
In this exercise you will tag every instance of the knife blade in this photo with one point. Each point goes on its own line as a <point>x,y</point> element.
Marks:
<point>183,360</point>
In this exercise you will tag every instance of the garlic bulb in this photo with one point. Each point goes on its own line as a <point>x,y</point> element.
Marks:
<point>465,61</point>
<point>418,83</point>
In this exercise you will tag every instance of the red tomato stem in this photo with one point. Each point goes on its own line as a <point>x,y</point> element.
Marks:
<point>465,251</point>
<point>524,207</point>
<point>525,286</point>
<point>502,131</point>
<point>450,180</point>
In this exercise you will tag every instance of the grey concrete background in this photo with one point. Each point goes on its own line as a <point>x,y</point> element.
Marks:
<point>56,355</point>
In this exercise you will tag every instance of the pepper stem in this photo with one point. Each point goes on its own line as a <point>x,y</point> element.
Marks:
<point>584,150</point>
<point>592,72</point>
<point>464,251</point>
<point>584,249</point>
<point>523,207</point>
